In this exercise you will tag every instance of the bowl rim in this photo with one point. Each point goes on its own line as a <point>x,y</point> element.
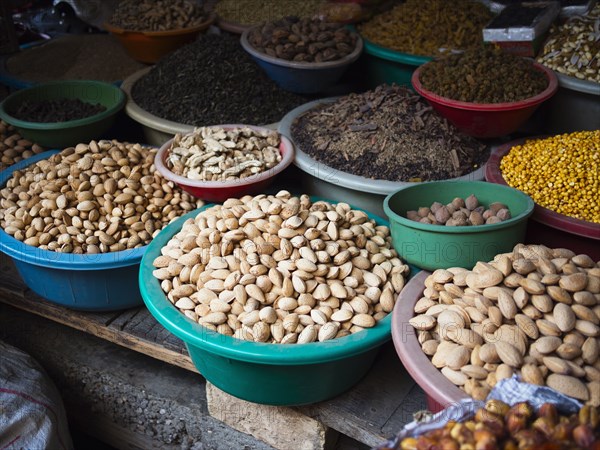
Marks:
<point>110,111</point>
<point>254,352</point>
<point>166,33</point>
<point>575,84</point>
<point>144,117</point>
<point>319,170</point>
<point>56,260</point>
<point>286,150</point>
<point>433,228</point>
<point>541,214</point>
<point>491,107</point>
<point>231,26</point>
<point>348,59</point>
<point>390,54</point>
<point>404,337</point>
<point>147,119</point>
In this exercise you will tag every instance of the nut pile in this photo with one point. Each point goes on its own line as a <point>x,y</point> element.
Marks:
<point>13,148</point>
<point>282,269</point>
<point>216,154</point>
<point>157,15</point>
<point>99,197</point>
<point>573,48</point>
<point>500,426</point>
<point>484,75</point>
<point>303,40</point>
<point>534,312</point>
<point>428,27</point>
<point>561,173</point>
<point>461,212</point>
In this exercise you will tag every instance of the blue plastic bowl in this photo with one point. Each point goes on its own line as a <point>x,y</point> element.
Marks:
<point>274,374</point>
<point>93,282</point>
<point>302,77</point>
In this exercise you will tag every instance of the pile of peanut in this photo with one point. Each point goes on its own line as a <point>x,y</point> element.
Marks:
<point>500,426</point>
<point>99,197</point>
<point>461,212</point>
<point>217,154</point>
<point>534,312</point>
<point>13,148</point>
<point>282,269</point>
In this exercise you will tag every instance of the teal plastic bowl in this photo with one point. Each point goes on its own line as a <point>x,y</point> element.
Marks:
<point>431,247</point>
<point>274,374</point>
<point>386,66</point>
<point>92,282</point>
<point>71,132</point>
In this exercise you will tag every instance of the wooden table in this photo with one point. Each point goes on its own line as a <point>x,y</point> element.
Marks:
<point>372,411</point>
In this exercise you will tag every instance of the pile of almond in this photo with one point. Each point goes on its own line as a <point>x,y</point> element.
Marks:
<point>534,312</point>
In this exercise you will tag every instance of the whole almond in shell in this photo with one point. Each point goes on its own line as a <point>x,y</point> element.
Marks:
<point>488,353</point>
<point>594,391</point>
<point>506,303</point>
<point>585,313</point>
<point>568,385</point>
<point>590,350</point>
<point>509,354</point>
<point>527,325</point>
<point>458,357</point>
<point>556,364</point>
<point>558,294</point>
<point>476,372</point>
<point>456,377</point>
<point>364,320</point>
<point>503,371</point>
<point>568,351</point>
<point>532,286</point>
<point>423,322</point>
<point>487,278</point>
<point>547,344</point>
<point>574,282</point>
<point>532,374</point>
<point>564,317</point>
<point>429,347</point>
<point>585,298</point>
<point>464,336</point>
<point>548,328</point>
<point>587,328</point>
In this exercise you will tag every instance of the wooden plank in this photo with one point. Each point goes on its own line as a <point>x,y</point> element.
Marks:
<point>372,411</point>
<point>363,411</point>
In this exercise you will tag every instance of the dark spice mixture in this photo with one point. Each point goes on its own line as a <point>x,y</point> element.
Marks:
<point>212,81</point>
<point>389,133</point>
<point>59,110</point>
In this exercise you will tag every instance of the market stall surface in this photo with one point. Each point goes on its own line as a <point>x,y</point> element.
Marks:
<point>369,413</point>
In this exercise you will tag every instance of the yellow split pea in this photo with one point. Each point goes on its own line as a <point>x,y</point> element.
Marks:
<point>561,173</point>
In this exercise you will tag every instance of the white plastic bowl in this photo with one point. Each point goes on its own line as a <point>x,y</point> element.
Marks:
<point>325,181</point>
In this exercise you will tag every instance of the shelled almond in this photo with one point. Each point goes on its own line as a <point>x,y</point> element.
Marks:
<point>534,312</point>
<point>282,269</point>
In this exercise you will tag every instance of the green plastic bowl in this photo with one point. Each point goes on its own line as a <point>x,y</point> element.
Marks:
<point>386,66</point>
<point>437,246</point>
<point>273,374</point>
<point>71,132</point>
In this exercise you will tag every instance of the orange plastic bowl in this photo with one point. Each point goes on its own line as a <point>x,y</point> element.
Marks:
<point>150,46</point>
<point>218,191</point>
<point>487,120</point>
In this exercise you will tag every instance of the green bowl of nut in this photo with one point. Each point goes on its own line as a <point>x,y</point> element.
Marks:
<point>277,312</point>
<point>444,224</point>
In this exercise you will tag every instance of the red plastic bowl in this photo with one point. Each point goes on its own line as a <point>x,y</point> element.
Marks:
<point>150,46</point>
<point>218,191</point>
<point>487,120</point>
<point>440,391</point>
<point>549,227</point>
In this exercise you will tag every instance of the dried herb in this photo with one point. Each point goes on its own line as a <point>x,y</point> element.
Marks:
<point>58,110</point>
<point>389,133</point>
